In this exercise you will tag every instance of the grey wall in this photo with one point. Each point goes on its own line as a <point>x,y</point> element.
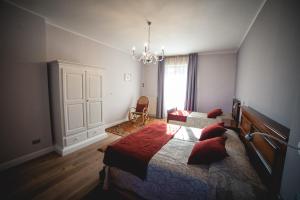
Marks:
<point>27,43</point>
<point>149,79</point>
<point>119,95</point>
<point>291,175</point>
<point>269,73</point>
<point>216,81</point>
<point>23,84</point>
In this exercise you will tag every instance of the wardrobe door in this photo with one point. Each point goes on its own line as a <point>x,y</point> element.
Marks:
<point>94,98</point>
<point>74,100</point>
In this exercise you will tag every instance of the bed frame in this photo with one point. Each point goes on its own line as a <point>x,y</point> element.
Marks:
<point>266,155</point>
<point>236,105</point>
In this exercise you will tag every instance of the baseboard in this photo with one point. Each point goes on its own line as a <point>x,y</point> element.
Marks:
<point>114,123</point>
<point>58,149</point>
<point>67,150</point>
<point>152,115</point>
<point>25,158</point>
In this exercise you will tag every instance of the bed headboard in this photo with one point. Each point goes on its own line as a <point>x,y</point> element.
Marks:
<point>236,105</point>
<point>266,155</point>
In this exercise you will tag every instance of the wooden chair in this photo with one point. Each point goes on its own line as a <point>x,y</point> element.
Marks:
<point>141,110</point>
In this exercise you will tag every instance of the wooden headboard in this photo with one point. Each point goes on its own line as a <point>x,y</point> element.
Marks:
<point>266,155</point>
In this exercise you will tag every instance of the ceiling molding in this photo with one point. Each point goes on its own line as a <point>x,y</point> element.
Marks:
<point>86,37</point>
<point>252,22</point>
<point>63,28</point>
<point>232,51</point>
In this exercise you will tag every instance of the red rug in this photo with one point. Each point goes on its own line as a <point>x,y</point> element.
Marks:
<point>129,127</point>
<point>126,128</point>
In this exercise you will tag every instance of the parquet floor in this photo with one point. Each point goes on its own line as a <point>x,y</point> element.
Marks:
<point>75,176</point>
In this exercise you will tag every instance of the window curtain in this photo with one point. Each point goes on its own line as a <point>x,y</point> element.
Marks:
<point>175,81</point>
<point>160,90</point>
<point>191,84</point>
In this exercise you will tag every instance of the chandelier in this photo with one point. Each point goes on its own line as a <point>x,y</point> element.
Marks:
<point>148,56</point>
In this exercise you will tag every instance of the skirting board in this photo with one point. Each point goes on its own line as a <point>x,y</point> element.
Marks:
<point>41,152</point>
<point>25,158</point>
<point>75,147</point>
<point>114,123</point>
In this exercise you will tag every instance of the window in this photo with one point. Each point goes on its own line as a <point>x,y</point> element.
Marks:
<point>175,82</point>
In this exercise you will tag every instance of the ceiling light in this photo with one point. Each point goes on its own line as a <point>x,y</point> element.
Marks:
<point>147,56</point>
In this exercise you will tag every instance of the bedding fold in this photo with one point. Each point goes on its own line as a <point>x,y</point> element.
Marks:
<point>133,153</point>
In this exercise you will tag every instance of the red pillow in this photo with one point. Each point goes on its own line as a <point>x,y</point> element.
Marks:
<point>211,131</point>
<point>140,107</point>
<point>214,113</point>
<point>208,151</point>
<point>221,123</point>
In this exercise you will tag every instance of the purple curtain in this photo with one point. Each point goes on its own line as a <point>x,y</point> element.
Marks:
<point>160,90</point>
<point>191,86</point>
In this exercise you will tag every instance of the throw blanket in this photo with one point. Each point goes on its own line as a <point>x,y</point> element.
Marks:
<point>133,153</point>
<point>179,115</point>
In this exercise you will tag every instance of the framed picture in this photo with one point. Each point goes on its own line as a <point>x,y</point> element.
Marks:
<point>127,77</point>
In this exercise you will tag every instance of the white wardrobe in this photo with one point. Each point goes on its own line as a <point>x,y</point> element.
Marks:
<point>76,105</point>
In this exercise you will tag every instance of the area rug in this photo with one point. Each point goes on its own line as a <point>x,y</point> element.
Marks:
<point>126,128</point>
<point>129,127</point>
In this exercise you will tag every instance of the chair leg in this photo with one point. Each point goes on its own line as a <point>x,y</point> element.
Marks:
<point>129,116</point>
<point>143,119</point>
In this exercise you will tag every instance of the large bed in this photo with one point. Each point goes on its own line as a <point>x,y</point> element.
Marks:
<point>199,119</point>
<point>168,176</point>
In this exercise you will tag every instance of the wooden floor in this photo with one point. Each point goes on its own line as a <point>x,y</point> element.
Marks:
<point>75,176</point>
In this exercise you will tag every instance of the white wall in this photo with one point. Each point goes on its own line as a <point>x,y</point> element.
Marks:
<point>269,73</point>
<point>119,95</point>
<point>23,84</point>
<point>216,81</point>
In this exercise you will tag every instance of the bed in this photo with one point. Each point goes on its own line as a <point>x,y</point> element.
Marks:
<point>200,120</point>
<point>170,177</point>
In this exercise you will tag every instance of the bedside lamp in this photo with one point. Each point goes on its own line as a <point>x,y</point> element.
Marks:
<point>249,137</point>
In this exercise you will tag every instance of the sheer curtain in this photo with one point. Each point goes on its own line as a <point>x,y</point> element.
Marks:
<point>175,82</point>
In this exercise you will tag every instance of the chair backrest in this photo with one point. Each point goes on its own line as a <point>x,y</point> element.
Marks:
<point>142,102</point>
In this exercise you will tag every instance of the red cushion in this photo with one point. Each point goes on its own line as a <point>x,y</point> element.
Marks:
<point>140,107</point>
<point>211,131</point>
<point>221,124</point>
<point>214,113</point>
<point>208,151</point>
<point>179,115</point>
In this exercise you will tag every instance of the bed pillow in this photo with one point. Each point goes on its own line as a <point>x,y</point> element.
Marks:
<point>208,151</point>
<point>221,124</point>
<point>211,131</point>
<point>214,113</point>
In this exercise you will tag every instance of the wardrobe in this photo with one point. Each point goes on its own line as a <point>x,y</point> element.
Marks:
<point>76,104</point>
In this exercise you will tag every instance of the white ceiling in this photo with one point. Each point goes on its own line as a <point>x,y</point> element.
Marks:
<point>182,26</point>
